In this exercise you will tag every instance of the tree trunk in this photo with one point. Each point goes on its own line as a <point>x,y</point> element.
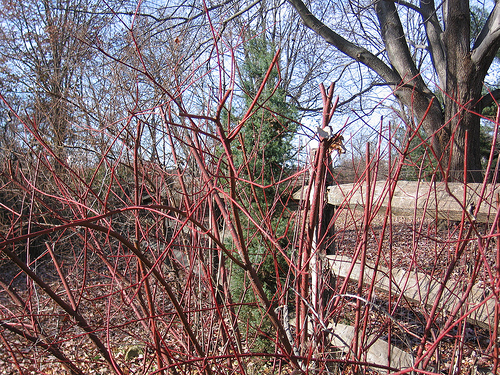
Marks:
<point>463,91</point>
<point>465,130</point>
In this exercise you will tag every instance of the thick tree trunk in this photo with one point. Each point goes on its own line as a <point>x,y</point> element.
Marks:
<point>465,130</point>
<point>421,103</point>
<point>426,109</point>
<point>463,91</point>
<point>462,80</point>
<point>448,131</point>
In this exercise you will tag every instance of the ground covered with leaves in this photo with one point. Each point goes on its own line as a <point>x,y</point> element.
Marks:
<point>428,247</point>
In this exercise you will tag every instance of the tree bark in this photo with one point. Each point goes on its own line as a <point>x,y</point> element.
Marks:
<point>463,92</point>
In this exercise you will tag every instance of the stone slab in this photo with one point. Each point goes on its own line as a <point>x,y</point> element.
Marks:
<point>417,287</point>
<point>342,336</point>
<point>437,200</point>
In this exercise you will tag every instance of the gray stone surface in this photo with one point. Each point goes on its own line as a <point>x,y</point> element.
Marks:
<point>446,201</point>
<point>377,353</point>
<point>418,287</point>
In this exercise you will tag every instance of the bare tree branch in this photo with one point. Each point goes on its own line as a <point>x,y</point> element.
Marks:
<point>488,41</point>
<point>350,49</point>
<point>488,100</point>
<point>395,43</point>
<point>434,38</point>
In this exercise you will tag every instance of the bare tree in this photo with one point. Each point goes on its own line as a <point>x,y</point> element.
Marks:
<point>384,36</point>
<point>46,49</point>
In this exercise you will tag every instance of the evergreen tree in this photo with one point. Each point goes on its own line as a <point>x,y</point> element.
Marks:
<point>262,156</point>
<point>267,135</point>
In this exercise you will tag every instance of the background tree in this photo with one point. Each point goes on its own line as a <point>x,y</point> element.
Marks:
<point>397,58</point>
<point>46,47</point>
<point>264,157</point>
<point>267,136</point>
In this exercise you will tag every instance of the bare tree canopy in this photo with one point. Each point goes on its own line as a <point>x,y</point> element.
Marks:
<point>385,37</point>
